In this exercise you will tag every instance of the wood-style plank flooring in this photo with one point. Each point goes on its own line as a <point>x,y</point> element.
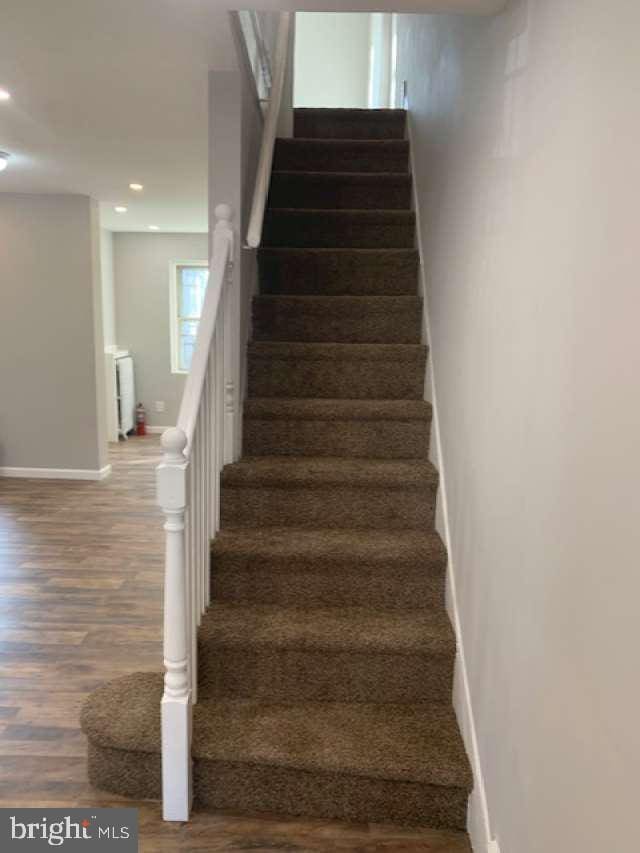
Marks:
<point>81,602</point>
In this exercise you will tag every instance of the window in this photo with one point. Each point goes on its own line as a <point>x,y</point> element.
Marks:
<point>188,286</point>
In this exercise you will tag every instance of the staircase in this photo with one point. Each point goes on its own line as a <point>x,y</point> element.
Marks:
<point>326,657</point>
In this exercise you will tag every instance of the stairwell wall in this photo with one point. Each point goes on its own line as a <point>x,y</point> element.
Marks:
<point>524,145</point>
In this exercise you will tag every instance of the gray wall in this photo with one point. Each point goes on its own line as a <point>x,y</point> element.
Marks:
<point>526,130</point>
<point>108,295</point>
<point>141,264</point>
<point>51,382</point>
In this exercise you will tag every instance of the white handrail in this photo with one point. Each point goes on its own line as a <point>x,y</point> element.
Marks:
<point>263,174</point>
<point>188,489</point>
<point>222,260</point>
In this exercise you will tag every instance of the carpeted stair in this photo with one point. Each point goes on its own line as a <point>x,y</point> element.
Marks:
<point>326,658</point>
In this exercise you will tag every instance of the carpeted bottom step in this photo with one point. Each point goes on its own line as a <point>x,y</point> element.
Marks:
<point>327,272</point>
<point>329,493</point>
<point>314,759</point>
<point>335,319</point>
<point>337,371</point>
<point>288,654</point>
<point>329,568</point>
<point>374,429</point>
<point>403,764</point>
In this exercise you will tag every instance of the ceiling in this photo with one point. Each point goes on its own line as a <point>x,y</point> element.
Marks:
<point>109,92</point>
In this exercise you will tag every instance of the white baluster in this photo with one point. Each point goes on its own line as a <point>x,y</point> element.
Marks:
<point>173,476</point>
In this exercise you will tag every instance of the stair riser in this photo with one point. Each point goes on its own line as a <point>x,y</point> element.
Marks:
<point>339,379</point>
<point>309,156</point>
<point>254,788</point>
<point>125,772</point>
<point>272,674</point>
<point>328,274</point>
<point>349,230</point>
<point>325,126</point>
<point>340,193</point>
<point>335,507</point>
<point>268,582</point>
<point>366,321</point>
<point>361,439</point>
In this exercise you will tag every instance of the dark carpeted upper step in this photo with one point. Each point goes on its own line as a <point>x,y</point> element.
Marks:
<point>383,272</point>
<point>329,492</point>
<point>383,569</point>
<point>337,371</point>
<point>338,319</point>
<point>341,190</point>
<point>341,155</point>
<point>375,429</point>
<point>313,123</point>
<point>359,229</point>
<point>288,654</point>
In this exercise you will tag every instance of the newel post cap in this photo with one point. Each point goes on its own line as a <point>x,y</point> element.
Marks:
<point>223,213</point>
<point>174,442</point>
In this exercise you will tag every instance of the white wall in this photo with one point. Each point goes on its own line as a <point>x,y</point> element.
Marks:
<point>51,381</point>
<point>331,59</point>
<point>141,272</point>
<point>108,293</point>
<point>527,132</point>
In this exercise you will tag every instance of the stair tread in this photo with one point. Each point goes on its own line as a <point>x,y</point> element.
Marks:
<point>311,408</point>
<point>311,472</point>
<point>354,629</point>
<point>325,251</point>
<point>415,742</point>
<point>385,547</point>
<point>330,351</point>
<point>369,113</point>
<point>366,177</point>
<point>320,299</point>
<point>344,213</point>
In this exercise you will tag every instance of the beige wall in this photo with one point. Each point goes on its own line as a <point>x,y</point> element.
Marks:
<point>526,133</point>
<point>51,383</point>
<point>141,265</point>
<point>331,59</point>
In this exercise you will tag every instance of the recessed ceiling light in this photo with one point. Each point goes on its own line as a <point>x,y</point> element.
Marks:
<point>4,160</point>
<point>136,187</point>
<point>4,95</point>
<point>120,209</point>
<point>154,228</point>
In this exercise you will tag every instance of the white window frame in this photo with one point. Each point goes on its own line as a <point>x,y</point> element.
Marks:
<point>174,317</point>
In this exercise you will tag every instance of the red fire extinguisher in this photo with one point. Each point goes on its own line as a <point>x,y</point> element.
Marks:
<point>141,420</point>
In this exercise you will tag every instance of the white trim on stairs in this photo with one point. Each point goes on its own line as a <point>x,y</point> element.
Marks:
<point>57,473</point>
<point>478,824</point>
<point>155,430</point>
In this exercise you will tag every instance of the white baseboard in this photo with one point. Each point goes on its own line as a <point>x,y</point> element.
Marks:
<point>156,430</point>
<point>478,824</point>
<point>57,473</point>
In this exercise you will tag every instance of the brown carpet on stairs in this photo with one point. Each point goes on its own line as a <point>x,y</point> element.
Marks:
<point>326,658</point>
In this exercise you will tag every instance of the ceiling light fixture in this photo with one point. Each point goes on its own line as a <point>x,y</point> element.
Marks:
<point>4,160</point>
<point>136,187</point>
<point>154,228</point>
<point>4,95</point>
<point>120,209</point>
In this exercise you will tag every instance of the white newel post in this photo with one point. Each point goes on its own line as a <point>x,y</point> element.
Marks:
<point>172,485</point>
<point>230,306</point>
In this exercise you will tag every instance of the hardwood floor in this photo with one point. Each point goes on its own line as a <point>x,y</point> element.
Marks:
<point>81,602</point>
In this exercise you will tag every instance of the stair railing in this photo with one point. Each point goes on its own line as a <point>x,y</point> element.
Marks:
<point>188,491</point>
<point>263,173</point>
